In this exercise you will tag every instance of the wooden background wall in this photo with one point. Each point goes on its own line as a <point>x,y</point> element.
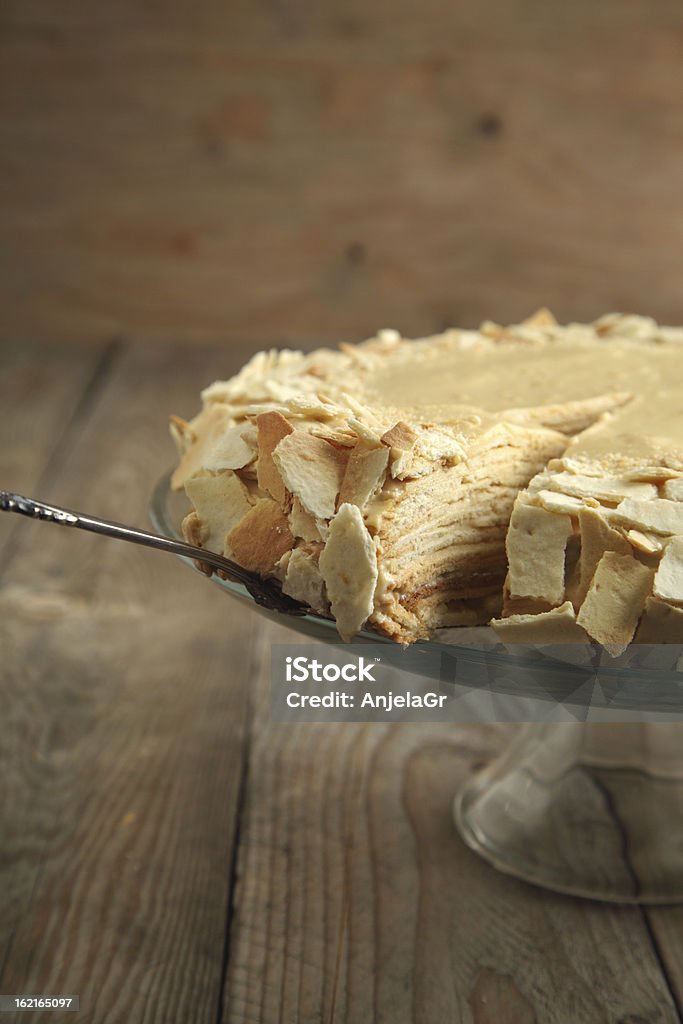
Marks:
<point>285,170</point>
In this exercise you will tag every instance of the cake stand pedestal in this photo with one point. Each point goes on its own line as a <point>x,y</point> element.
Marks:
<point>591,809</point>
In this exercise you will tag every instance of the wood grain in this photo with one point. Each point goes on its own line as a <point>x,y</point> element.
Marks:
<point>313,172</point>
<point>357,900</point>
<point>666,924</point>
<point>43,391</point>
<point>124,687</point>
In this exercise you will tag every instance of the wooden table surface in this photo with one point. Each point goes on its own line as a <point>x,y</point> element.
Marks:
<point>167,852</point>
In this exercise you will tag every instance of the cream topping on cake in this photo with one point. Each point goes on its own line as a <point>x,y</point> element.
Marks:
<point>519,368</point>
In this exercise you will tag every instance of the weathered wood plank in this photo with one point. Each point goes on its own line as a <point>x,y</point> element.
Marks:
<point>358,901</point>
<point>124,688</point>
<point>41,390</point>
<point>666,924</point>
<point>317,171</point>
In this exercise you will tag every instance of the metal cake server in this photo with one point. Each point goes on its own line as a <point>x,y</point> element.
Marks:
<point>265,592</point>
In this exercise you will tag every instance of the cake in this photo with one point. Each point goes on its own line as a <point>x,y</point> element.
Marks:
<point>530,477</point>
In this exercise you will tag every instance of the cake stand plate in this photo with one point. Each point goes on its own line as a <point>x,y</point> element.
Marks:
<point>590,808</point>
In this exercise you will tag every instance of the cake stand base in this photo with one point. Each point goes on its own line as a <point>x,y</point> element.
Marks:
<point>595,810</point>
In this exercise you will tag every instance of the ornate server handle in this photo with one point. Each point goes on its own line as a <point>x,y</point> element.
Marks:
<point>265,592</point>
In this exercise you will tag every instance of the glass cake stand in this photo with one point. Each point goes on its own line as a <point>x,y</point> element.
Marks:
<point>591,807</point>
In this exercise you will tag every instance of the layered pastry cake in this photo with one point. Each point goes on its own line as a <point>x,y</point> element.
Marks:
<point>530,477</point>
